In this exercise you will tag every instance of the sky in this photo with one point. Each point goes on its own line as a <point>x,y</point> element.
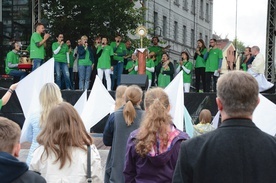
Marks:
<point>251,21</point>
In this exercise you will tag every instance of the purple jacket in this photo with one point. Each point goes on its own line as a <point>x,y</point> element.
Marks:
<point>151,169</point>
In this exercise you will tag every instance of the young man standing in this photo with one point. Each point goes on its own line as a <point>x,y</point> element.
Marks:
<point>37,46</point>
<point>119,50</point>
<point>213,64</point>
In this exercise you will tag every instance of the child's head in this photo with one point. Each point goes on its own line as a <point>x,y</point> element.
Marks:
<point>205,116</point>
<point>9,136</point>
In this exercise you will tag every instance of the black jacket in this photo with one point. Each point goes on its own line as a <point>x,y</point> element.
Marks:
<point>14,171</point>
<point>237,152</point>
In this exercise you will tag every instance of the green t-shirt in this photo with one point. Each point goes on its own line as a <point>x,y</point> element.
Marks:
<point>119,51</point>
<point>86,61</point>
<point>164,79</point>
<point>131,64</point>
<point>187,78</point>
<point>150,64</point>
<point>36,52</point>
<point>12,58</point>
<point>1,103</point>
<point>212,62</point>
<point>104,61</point>
<point>158,52</point>
<point>61,55</point>
<point>200,62</point>
<point>243,66</point>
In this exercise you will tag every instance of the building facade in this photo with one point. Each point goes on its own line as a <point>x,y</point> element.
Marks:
<point>15,24</point>
<point>180,23</point>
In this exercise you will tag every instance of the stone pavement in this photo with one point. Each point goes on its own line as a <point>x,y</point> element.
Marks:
<point>97,139</point>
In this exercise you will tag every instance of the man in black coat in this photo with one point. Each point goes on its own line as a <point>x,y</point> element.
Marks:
<point>237,151</point>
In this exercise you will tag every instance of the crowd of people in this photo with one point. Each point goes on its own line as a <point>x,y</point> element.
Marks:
<point>76,68</point>
<point>145,144</point>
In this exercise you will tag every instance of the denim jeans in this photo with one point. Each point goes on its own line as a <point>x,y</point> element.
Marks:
<point>117,72</point>
<point>65,73</point>
<point>84,76</point>
<point>17,73</point>
<point>37,62</point>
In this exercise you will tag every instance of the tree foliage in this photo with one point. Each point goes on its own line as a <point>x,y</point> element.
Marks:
<point>239,45</point>
<point>91,17</point>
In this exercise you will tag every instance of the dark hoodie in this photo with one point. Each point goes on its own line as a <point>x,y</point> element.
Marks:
<point>14,171</point>
<point>151,169</point>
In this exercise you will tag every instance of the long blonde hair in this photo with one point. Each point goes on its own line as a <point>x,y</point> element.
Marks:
<point>49,96</point>
<point>120,101</point>
<point>133,97</point>
<point>155,122</point>
<point>64,129</point>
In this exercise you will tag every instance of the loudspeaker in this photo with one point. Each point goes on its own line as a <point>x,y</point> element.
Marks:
<point>131,79</point>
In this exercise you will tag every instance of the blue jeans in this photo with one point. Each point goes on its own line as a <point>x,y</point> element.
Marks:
<point>71,77</point>
<point>84,76</point>
<point>17,73</point>
<point>65,72</point>
<point>117,72</point>
<point>36,63</point>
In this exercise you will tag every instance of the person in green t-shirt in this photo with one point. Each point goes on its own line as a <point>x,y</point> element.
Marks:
<point>105,55</point>
<point>247,60</point>
<point>158,50</point>
<point>71,62</point>
<point>85,62</point>
<point>164,71</point>
<point>187,68</point>
<point>200,65</point>
<point>12,61</point>
<point>128,56</point>
<point>213,65</point>
<point>61,57</point>
<point>37,46</point>
<point>4,100</point>
<point>119,50</point>
<point>132,65</point>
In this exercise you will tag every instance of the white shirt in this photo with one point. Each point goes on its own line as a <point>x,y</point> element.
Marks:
<point>74,172</point>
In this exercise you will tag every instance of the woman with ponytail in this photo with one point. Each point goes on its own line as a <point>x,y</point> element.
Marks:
<point>116,132</point>
<point>152,150</point>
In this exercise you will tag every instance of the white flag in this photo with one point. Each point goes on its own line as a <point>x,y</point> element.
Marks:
<point>79,105</point>
<point>98,105</point>
<point>215,121</point>
<point>264,116</point>
<point>176,96</point>
<point>189,127</point>
<point>28,91</point>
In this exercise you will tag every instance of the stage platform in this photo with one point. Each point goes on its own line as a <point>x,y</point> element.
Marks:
<point>194,103</point>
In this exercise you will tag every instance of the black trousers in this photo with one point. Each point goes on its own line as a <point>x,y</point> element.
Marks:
<point>208,79</point>
<point>200,76</point>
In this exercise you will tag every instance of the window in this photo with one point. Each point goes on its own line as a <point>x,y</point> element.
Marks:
<point>207,12</point>
<point>175,30</point>
<point>184,34</point>
<point>164,26</point>
<point>155,19</point>
<point>201,9</point>
<point>200,35</point>
<point>193,7</point>
<point>176,2</point>
<point>206,39</point>
<point>185,5</point>
<point>192,37</point>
